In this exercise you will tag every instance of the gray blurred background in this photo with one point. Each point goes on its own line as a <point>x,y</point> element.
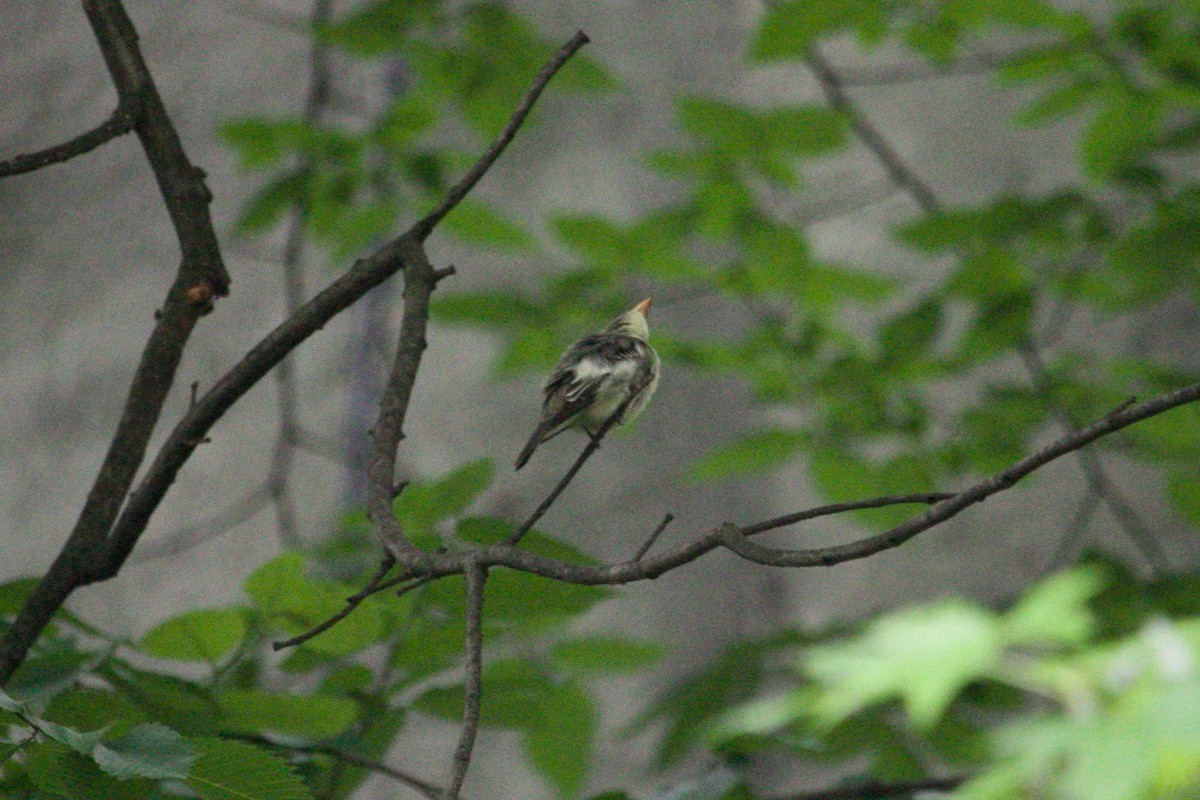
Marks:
<point>88,251</point>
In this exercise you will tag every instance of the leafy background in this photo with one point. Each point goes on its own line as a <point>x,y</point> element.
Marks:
<point>908,343</point>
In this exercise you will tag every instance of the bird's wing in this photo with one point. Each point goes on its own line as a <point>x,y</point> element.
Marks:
<point>580,373</point>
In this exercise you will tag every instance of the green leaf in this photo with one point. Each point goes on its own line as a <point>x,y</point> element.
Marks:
<point>513,689</point>
<point>227,770</point>
<point>1055,611</point>
<point>148,751</point>
<point>1183,490</point>
<point>910,334</point>
<point>691,704</point>
<point>270,203</point>
<point>790,28</point>
<point>1001,322</point>
<point>14,593</point>
<point>92,709</point>
<point>263,143</point>
<point>1125,124</point>
<point>379,27</point>
<point>604,654</point>
<point>477,223</point>
<point>924,656</point>
<point>422,504</point>
<point>202,635</point>
<point>757,452</point>
<point>559,744</point>
<point>493,309</point>
<point>805,130</point>
<point>314,716</point>
<point>65,773</point>
<point>593,235</point>
<point>295,604</point>
<point>182,705</point>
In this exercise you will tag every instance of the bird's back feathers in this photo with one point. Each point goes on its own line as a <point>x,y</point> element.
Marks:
<point>594,378</point>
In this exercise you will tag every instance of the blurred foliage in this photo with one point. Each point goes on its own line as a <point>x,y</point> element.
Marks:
<point>1085,687</point>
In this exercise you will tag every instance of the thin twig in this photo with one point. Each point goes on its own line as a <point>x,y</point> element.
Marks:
<point>279,476</point>
<point>879,790</point>
<point>869,135</point>
<point>733,537</point>
<point>186,538</point>
<point>354,601</point>
<point>1076,529</point>
<point>423,787</point>
<point>476,575</point>
<point>924,196</point>
<point>592,446</point>
<point>1093,469</point>
<point>927,498</point>
<point>119,124</point>
<point>646,545</point>
<point>426,225</point>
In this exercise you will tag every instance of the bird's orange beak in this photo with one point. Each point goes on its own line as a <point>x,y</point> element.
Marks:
<point>643,307</point>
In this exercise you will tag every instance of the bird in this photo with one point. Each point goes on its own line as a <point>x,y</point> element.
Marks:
<point>595,377</point>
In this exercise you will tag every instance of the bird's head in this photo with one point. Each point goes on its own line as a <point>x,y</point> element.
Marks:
<point>632,322</point>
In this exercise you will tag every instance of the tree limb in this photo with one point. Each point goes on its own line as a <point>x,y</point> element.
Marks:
<point>120,123</point>
<point>201,275</point>
<point>473,685</point>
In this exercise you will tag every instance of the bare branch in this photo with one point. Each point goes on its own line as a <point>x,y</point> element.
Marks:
<point>733,538</point>
<point>422,787</point>
<point>201,275</point>
<point>120,123</point>
<point>476,575</point>
<point>878,790</point>
<point>921,193</point>
<point>95,552</point>
<point>1090,465</point>
<point>502,555</point>
<point>869,135</point>
<point>279,479</point>
<point>425,226</point>
<point>376,584</point>
<point>592,446</point>
<point>646,545</point>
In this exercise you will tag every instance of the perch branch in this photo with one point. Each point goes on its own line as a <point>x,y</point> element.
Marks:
<point>473,685</point>
<point>119,124</point>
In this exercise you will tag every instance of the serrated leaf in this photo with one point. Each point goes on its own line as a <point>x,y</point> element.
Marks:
<point>65,773</point>
<point>227,770</point>
<point>201,635</point>
<point>559,745</point>
<point>606,654</point>
<point>182,705</point>
<point>148,751</point>
<point>314,716</point>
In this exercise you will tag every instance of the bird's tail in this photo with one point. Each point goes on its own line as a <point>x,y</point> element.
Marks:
<point>531,445</point>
